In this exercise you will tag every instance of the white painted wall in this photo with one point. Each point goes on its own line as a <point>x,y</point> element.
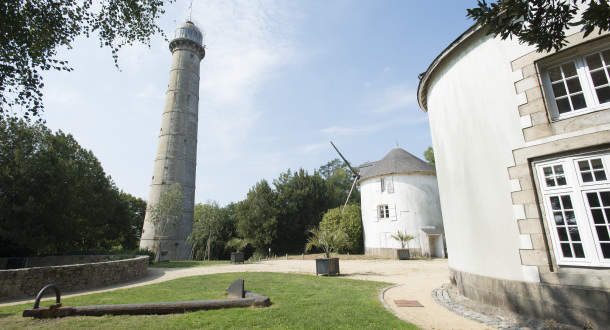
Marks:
<point>414,203</point>
<point>475,125</point>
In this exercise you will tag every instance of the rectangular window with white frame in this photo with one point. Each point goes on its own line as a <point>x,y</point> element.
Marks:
<point>576,198</point>
<point>383,211</point>
<point>578,85</point>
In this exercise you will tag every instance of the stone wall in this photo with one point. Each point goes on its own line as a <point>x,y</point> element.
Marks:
<point>390,252</point>
<point>26,282</point>
<point>58,260</point>
<point>568,304</point>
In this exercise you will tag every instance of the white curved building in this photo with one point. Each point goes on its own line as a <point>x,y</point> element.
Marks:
<point>400,192</point>
<point>522,145</point>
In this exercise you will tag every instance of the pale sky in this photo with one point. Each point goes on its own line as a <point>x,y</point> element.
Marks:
<point>280,80</point>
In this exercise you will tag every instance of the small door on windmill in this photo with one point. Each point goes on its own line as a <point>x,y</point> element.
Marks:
<point>384,237</point>
<point>390,185</point>
<point>432,242</point>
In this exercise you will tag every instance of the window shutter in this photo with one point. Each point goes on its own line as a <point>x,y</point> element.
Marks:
<point>393,216</point>
<point>375,214</point>
<point>378,185</point>
<point>390,185</point>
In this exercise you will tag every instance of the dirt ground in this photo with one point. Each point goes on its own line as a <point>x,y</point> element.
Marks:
<point>411,279</point>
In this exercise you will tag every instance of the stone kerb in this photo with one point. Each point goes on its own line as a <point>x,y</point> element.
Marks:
<point>17,283</point>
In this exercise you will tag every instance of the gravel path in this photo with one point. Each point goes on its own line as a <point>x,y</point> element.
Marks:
<point>419,280</point>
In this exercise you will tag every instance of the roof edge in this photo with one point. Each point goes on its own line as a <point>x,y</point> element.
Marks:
<point>407,172</point>
<point>422,88</point>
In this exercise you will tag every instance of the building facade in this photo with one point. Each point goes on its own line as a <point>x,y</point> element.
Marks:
<point>400,193</point>
<point>522,147</point>
<point>176,156</point>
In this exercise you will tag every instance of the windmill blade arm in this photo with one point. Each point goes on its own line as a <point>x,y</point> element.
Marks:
<point>350,193</point>
<point>345,160</point>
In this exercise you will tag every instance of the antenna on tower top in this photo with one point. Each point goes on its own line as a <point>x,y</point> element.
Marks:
<point>191,10</point>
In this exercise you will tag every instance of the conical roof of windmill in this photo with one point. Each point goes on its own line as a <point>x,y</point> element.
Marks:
<point>396,161</point>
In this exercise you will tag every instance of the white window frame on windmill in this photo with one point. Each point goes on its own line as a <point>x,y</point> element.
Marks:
<point>383,211</point>
<point>576,199</point>
<point>577,85</point>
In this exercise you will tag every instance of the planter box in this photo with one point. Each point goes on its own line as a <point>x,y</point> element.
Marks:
<point>403,254</point>
<point>237,257</point>
<point>328,266</point>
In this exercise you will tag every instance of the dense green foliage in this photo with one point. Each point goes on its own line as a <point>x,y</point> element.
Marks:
<point>256,216</point>
<point>299,302</point>
<point>31,32</point>
<point>340,180</point>
<point>213,227</point>
<point>350,222</point>
<point>279,217</point>
<point>540,22</point>
<point>55,196</point>
<point>301,201</point>
<point>135,211</point>
<point>429,156</point>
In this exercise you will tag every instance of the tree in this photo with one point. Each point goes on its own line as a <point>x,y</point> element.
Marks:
<point>429,156</point>
<point>540,22</point>
<point>133,212</point>
<point>256,216</point>
<point>348,221</point>
<point>210,220</point>
<point>31,32</point>
<point>302,200</point>
<point>340,179</point>
<point>166,213</point>
<point>54,195</point>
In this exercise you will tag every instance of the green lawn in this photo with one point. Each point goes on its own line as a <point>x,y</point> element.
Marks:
<point>299,301</point>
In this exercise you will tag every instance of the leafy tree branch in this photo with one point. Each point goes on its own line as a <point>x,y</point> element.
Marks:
<point>32,31</point>
<point>541,23</point>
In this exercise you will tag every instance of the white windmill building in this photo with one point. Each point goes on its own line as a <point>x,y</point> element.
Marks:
<point>400,193</point>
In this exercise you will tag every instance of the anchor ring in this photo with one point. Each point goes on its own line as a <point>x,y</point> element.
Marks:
<point>41,292</point>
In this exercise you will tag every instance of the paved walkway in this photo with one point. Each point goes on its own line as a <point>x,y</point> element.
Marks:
<point>419,280</point>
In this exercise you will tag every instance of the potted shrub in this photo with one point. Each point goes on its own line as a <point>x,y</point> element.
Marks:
<point>327,241</point>
<point>238,244</point>
<point>403,239</point>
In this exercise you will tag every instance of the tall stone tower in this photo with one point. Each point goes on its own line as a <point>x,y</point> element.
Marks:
<point>176,156</point>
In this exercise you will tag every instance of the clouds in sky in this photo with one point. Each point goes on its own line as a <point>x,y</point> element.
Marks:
<point>246,42</point>
<point>280,79</point>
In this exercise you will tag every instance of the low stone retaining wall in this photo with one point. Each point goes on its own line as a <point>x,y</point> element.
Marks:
<point>26,282</point>
<point>390,252</point>
<point>30,262</point>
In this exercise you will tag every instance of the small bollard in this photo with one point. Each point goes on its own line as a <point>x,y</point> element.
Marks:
<point>286,256</point>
